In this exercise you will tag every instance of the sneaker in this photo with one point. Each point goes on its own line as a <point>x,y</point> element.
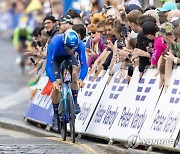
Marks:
<point>77,108</point>
<point>55,124</point>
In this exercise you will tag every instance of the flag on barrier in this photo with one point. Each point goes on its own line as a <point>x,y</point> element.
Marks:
<point>47,89</point>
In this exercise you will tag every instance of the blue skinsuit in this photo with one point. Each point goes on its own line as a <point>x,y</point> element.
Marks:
<point>56,49</point>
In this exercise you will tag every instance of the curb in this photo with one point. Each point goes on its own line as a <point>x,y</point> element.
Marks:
<point>25,127</point>
<point>34,130</point>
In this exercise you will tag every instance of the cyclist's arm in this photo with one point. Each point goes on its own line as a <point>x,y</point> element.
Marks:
<point>83,62</point>
<point>16,37</point>
<point>50,58</point>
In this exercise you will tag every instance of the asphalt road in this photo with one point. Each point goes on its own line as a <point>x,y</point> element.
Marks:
<point>14,96</point>
<point>11,83</point>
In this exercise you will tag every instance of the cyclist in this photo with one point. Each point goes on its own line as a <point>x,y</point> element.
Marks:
<point>21,41</point>
<point>62,47</point>
<point>21,34</point>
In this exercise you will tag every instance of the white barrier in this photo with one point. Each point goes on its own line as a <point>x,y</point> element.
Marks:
<point>119,111</point>
<point>165,121</point>
<point>88,99</point>
<point>108,108</point>
<point>136,106</point>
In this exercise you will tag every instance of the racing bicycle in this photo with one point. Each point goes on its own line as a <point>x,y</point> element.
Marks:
<point>66,105</point>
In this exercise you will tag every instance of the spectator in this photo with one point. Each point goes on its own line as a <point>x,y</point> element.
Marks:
<point>131,7</point>
<point>164,66</point>
<point>154,14</point>
<point>50,24</point>
<point>133,18</point>
<point>65,23</point>
<point>96,18</point>
<point>172,14</point>
<point>129,2</point>
<point>175,57</point>
<point>94,46</point>
<point>145,41</point>
<point>168,6</point>
<point>80,29</point>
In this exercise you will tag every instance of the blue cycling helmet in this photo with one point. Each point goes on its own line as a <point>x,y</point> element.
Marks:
<point>71,39</point>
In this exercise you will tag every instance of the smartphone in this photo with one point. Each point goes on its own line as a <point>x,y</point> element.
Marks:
<point>124,30</point>
<point>104,39</point>
<point>119,45</point>
<point>33,61</point>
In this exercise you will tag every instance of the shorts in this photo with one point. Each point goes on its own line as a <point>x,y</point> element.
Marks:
<point>57,63</point>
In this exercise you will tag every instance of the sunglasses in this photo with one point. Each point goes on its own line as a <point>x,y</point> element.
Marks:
<point>89,33</point>
<point>68,48</point>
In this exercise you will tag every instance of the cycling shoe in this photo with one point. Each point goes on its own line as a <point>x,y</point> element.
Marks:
<point>77,108</point>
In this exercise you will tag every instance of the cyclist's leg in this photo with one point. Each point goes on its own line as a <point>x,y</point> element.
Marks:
<point>74,84</point>
<point>56,97</point>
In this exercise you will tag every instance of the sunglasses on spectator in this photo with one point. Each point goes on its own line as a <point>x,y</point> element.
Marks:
<point>89,33</point>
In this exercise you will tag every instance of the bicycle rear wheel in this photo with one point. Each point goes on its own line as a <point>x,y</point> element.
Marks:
<point>62,122</point>
<point>71,118</point>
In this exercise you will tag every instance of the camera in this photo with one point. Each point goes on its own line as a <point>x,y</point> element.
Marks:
<point>36,44</point>
<point>177,1</point>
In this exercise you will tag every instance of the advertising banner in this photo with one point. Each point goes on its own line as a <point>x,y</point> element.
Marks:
<point>88,99</point>
<point>164,125</point>
<point>40,107</point>
<point>108,108</point>
<point>137,105</point>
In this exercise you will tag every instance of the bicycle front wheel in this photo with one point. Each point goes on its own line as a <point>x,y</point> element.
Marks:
<point>71,118</point>
<point>62,122</point>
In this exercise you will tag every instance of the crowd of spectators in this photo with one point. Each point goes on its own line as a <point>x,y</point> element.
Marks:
<point>118,37</point>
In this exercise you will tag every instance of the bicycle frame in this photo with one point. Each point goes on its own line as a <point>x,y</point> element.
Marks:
<point>66,108</point>
<point>66,90</point>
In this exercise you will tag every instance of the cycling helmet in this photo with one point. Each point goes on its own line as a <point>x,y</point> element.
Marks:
<point>71,39</point>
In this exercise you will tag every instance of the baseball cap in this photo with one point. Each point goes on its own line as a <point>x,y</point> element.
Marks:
<point>166,28</point>
<point>175,21</point>
<point>131,7</point>
<point>52,18</point>
<point>168,6</point>
<point>150,27</point>
<point>66,18</point>
<point>154,14</point>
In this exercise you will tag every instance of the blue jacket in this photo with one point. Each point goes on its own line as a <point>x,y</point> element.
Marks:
<point>56,49</point>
